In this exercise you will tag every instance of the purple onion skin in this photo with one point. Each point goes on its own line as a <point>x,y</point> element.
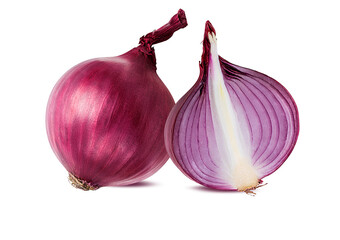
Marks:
<point>264,109</point>
<point>105,117</point>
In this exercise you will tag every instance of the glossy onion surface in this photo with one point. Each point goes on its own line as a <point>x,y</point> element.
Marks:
<point>233,127</point>
<point>105,117</point>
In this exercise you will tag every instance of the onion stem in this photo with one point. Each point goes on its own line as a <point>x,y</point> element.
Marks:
<point>162,34</point>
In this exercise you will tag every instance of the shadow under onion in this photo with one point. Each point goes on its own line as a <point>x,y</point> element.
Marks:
<point>140,185</point>
<point>206,189</point>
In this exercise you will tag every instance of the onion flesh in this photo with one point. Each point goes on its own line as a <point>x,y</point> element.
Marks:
<point>105,117</point>
<point>234,127</point>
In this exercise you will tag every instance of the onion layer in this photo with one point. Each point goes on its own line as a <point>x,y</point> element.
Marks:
<point>105,117</point>
<point>234,127</point>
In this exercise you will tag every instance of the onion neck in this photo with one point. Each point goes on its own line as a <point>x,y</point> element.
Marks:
<point>204,64</point>
<point>162,34</point>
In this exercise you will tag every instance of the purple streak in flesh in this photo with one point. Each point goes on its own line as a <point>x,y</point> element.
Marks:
<point>234,127</point>
<point>105,117</point>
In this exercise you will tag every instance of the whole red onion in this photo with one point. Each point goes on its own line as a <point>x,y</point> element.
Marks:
<point>105,117</point>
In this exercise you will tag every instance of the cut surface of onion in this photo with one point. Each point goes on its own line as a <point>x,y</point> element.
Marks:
<point>233,127</point>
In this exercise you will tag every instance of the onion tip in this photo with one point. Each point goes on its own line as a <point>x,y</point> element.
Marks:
<point>182,18</point>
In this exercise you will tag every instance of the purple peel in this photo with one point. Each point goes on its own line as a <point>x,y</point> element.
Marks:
<point>105,117</point>
<point>231,147</point>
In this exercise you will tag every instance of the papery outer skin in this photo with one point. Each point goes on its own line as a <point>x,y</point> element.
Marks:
<point>105,117</point>
<point>265,110</point>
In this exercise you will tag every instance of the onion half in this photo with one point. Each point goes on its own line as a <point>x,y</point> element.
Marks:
<point>105,117</point>
<point>234,127</point>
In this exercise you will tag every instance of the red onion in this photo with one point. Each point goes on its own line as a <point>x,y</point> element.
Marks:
<point>105,117</point>
<point>234,127</point>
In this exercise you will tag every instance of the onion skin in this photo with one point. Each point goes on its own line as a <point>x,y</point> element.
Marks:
<point>262,114</point>
<point>105,117</point>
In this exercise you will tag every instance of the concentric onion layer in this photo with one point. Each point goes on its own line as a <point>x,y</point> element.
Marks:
<point>234,127</point>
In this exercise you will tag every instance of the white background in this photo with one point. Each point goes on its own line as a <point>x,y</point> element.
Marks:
<point>295,42</point>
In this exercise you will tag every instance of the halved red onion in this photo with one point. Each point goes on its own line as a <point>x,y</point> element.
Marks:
<point>105,117</point>
<point>234,127</point>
